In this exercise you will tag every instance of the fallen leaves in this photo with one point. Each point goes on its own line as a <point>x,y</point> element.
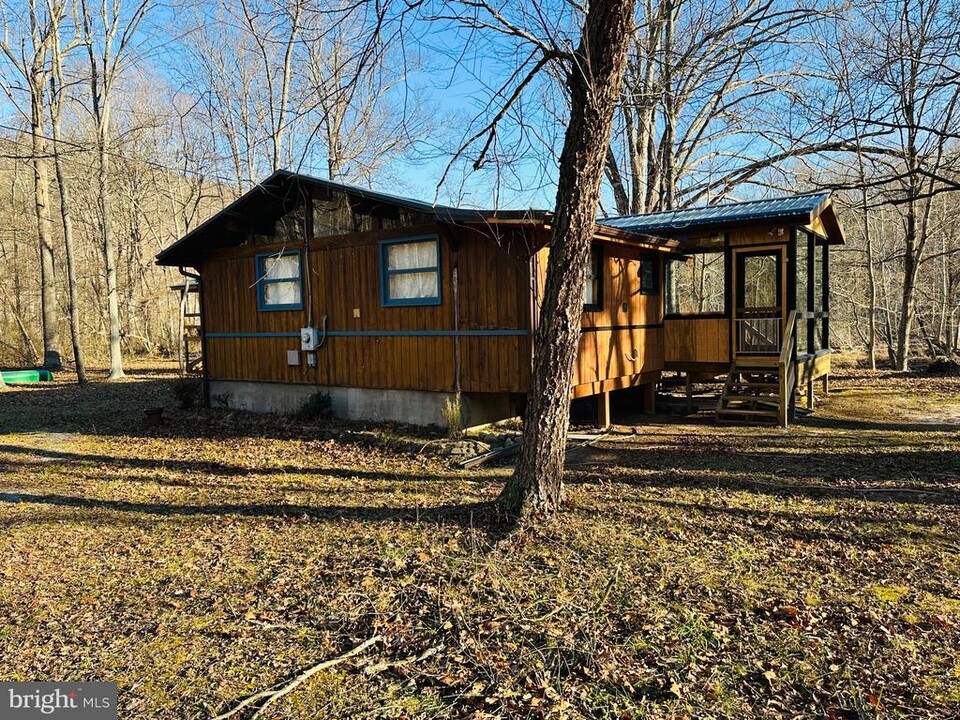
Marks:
<point>735,572</point>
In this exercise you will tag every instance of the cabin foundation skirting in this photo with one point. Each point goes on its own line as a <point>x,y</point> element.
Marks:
<point>414,407</point>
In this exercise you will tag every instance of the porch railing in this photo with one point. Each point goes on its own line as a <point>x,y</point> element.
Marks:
<point>787,369</point>
<point>759,332</point>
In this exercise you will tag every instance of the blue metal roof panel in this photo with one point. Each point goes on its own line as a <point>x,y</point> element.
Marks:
<point>730,213</point>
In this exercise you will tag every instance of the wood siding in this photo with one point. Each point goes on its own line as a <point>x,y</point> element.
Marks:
<point>623,339</point>
<point>344,286</point>
<point>697,340</point>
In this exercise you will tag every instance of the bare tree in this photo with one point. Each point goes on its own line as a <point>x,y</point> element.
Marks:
<point>58,52</point>
<point>706,85</point>
<point>275,32</point>
<point>594,76</point>
<point>109,35</point>
<point>29,56</point>
<point>898,63</point>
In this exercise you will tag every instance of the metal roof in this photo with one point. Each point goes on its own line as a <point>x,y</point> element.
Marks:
<point>797,207</point>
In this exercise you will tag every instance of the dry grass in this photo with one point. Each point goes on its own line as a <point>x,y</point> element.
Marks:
<point>696,571</point>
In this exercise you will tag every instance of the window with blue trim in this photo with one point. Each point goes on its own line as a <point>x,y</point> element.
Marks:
<point>410,271</point>
<point>279,285</point>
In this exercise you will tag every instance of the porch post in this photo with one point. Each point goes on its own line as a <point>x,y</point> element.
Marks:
<point>650,398</point>
<point>811,291</point>
<point>826,296</point>
<point>603,410</point>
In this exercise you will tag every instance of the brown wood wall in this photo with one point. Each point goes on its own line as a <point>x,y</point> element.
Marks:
<point>625,337</point>
<point>344,276</point>
<point>697,340</point>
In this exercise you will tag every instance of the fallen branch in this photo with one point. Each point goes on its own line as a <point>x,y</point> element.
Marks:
<point>271,696</point>
<point>500,452</point>
<point>381,666</point>
<point>508,450</point>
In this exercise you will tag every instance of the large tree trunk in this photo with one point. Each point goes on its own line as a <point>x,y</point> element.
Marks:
<point>907,308</point>
<point>595,79</point>
<point>871,279</point>
<point>669,182</point>
<point>100,90</point>
<point>110,261</point>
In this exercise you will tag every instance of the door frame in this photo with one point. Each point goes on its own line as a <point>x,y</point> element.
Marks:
<point>738,255</point>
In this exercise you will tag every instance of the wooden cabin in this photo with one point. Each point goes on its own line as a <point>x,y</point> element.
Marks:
<point>398,308</point>
<point>401,309</point>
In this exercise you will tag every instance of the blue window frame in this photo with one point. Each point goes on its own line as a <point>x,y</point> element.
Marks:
<point>410,271</point>
<point>279,281</point>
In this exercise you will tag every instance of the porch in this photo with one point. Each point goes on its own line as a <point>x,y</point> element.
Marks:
<point>769,333</point>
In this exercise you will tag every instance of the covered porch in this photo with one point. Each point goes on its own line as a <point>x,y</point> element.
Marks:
<point>750,300</point>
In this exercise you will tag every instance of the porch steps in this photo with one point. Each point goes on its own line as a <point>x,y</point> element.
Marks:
<point>750,394</point>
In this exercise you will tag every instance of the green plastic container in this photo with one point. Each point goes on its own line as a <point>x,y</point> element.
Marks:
<point>26,376</point>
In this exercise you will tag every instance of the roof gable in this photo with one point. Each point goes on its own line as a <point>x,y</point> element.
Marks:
<point>258,211</point>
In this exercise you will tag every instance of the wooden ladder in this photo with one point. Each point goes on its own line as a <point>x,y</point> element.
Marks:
<point>192,348</point>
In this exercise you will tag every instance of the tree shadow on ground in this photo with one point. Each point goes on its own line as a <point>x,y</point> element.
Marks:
<point>117,409</point>
<point>855,475</point>
<point>486,517</point>
<point>806,527</point>
<point>42,456</point>
<point>831,423</point>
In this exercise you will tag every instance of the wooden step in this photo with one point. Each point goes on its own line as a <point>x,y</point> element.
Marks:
<point>744,411</point>
<point>767,386</point>
<point>741,400</point>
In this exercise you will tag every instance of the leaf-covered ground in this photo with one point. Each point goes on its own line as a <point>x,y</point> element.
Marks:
<point>697,571</point>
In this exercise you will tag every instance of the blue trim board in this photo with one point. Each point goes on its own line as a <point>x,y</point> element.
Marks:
<point>508,332</point>
<point>251,334</point>
<point>427,333</point>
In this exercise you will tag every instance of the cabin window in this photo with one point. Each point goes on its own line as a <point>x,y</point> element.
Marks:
<point>649,273</point>
<point>696,285</point>
<point>278,281</point>
<point>410,271</point>
<point>593,281</point>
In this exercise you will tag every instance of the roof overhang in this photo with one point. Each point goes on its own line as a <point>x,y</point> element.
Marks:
<point>814,212</point>
<point>826,215</point>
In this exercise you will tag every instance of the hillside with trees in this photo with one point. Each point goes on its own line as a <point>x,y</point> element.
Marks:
<point>127,123</point>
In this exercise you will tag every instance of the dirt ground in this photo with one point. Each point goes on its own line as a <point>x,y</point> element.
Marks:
<point>696,571</point>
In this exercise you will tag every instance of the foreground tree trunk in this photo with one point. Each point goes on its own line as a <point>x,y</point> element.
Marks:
<point>594,79</point>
